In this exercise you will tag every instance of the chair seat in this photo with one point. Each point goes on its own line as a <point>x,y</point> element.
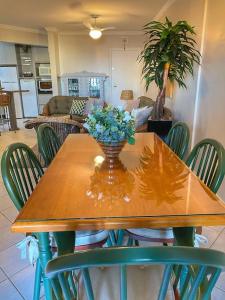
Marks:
<point>152,234</point>
<point>89,237</point>
<point>86,239</point>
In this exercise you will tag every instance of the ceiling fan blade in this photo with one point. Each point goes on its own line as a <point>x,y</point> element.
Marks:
<point>108,28</point>
<point>74,23</point>
<point>88,25</point>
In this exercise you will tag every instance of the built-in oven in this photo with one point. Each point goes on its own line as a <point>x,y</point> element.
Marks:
<point>44,70</point>
<point>44,86</point>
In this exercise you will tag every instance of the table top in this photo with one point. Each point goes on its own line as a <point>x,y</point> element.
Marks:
<point>148,187</point>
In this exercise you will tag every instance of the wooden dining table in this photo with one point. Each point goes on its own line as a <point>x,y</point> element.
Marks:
<point>149,186</point>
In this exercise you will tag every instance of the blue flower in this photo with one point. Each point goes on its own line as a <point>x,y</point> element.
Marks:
<point>110,124</point>
<point>86,126</point>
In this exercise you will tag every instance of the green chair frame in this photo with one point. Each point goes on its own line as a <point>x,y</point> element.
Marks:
<point>194,271</point>
<point>48,143</point>
<point>207,160</point>
<point>21,171</point>
<point>178,139</point>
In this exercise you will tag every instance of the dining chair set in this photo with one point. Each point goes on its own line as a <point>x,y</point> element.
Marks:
<point>192,272</point>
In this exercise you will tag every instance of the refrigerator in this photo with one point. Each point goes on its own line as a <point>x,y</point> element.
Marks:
<point>29,99</point>
<point>10,82</point>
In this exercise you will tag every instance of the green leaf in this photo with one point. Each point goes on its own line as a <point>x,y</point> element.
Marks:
<point>131,140</point>
<point>172,43</point>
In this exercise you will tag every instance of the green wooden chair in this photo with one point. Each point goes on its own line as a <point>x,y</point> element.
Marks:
<point>192,272</point>
<point>178,139</point>
<point>21,171</point>
<point>48,143</point>
<point>207,160</point>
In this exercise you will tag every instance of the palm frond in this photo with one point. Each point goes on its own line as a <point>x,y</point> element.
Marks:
<point>168,43</point>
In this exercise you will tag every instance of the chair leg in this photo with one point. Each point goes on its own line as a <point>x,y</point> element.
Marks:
<point>45,256</point>
<point>130,242</point>
<point>37,281</point>
<point>109,242</point>
<point>123,283</point>
<point>112,237</point>
<point>87,284</point>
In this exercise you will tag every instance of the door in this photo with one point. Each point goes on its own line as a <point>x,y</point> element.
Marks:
<point>29,98</point>
<point>9,81</point>
<point>125,74</point>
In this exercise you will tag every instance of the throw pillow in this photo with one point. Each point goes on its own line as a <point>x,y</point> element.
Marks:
<point>91,103</point>
<point>141,115</point>
<point>77,107</point>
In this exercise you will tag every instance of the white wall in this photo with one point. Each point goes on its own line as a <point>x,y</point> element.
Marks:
<point>183,101</point>
<point>211,108</point>
<point>81,53</point>
<point>10,34</point>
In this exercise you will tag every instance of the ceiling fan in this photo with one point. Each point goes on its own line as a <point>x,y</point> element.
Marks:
<point>95,31</point>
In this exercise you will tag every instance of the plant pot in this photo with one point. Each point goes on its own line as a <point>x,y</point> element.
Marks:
<point>112,150</point>
<point>161,127</point>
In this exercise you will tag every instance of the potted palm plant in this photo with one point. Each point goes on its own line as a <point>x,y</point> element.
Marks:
<point>169,54</point>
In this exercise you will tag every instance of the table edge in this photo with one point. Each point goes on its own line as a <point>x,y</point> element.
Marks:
<point>118,223</point>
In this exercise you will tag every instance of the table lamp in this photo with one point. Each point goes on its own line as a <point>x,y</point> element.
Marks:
<point>127,95</point>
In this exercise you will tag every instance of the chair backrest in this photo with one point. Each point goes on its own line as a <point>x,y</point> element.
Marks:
<point>207,160</point>
<point>178,139</point>
<point>48,143</point>
<point>4,99</point>
<point>21,171</point>
<point>193,272</point>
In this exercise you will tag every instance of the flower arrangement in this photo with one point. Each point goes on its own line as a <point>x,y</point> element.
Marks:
<point>111,125</point>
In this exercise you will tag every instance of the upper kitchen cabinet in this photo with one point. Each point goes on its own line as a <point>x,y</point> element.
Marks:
<point>40,54</point>
<point>41,61</point>
<point>24,60</point>
<point>7,54</point>
<point>29,58</point>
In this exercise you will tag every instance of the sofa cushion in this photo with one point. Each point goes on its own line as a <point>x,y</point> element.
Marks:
<point>141,115</point>
<point>62,104</point>
<point>78,107</point>
<point>146,101</point>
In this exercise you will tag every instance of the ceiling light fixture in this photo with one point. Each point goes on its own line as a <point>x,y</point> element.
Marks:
<point>95,33</point>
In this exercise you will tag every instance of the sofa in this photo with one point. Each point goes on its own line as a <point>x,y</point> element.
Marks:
<point>60,106</point>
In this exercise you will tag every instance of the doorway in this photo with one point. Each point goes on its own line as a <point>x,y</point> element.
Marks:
<point>126,73</point>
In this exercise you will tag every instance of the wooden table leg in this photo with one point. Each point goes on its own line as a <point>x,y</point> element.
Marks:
<point>184,236</point>
<point>12,113</point>
<point>45,255</point>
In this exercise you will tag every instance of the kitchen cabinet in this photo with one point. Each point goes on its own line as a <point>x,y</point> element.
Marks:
<point>84,84</point>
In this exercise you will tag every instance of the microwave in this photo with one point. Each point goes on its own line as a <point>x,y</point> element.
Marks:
<point>44,70</point>
<point>44,86</point>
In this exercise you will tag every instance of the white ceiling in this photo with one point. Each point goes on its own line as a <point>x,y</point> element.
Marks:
<point>38,14</point>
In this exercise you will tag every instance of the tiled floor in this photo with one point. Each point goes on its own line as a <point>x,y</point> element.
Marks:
<point>16,275</point>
